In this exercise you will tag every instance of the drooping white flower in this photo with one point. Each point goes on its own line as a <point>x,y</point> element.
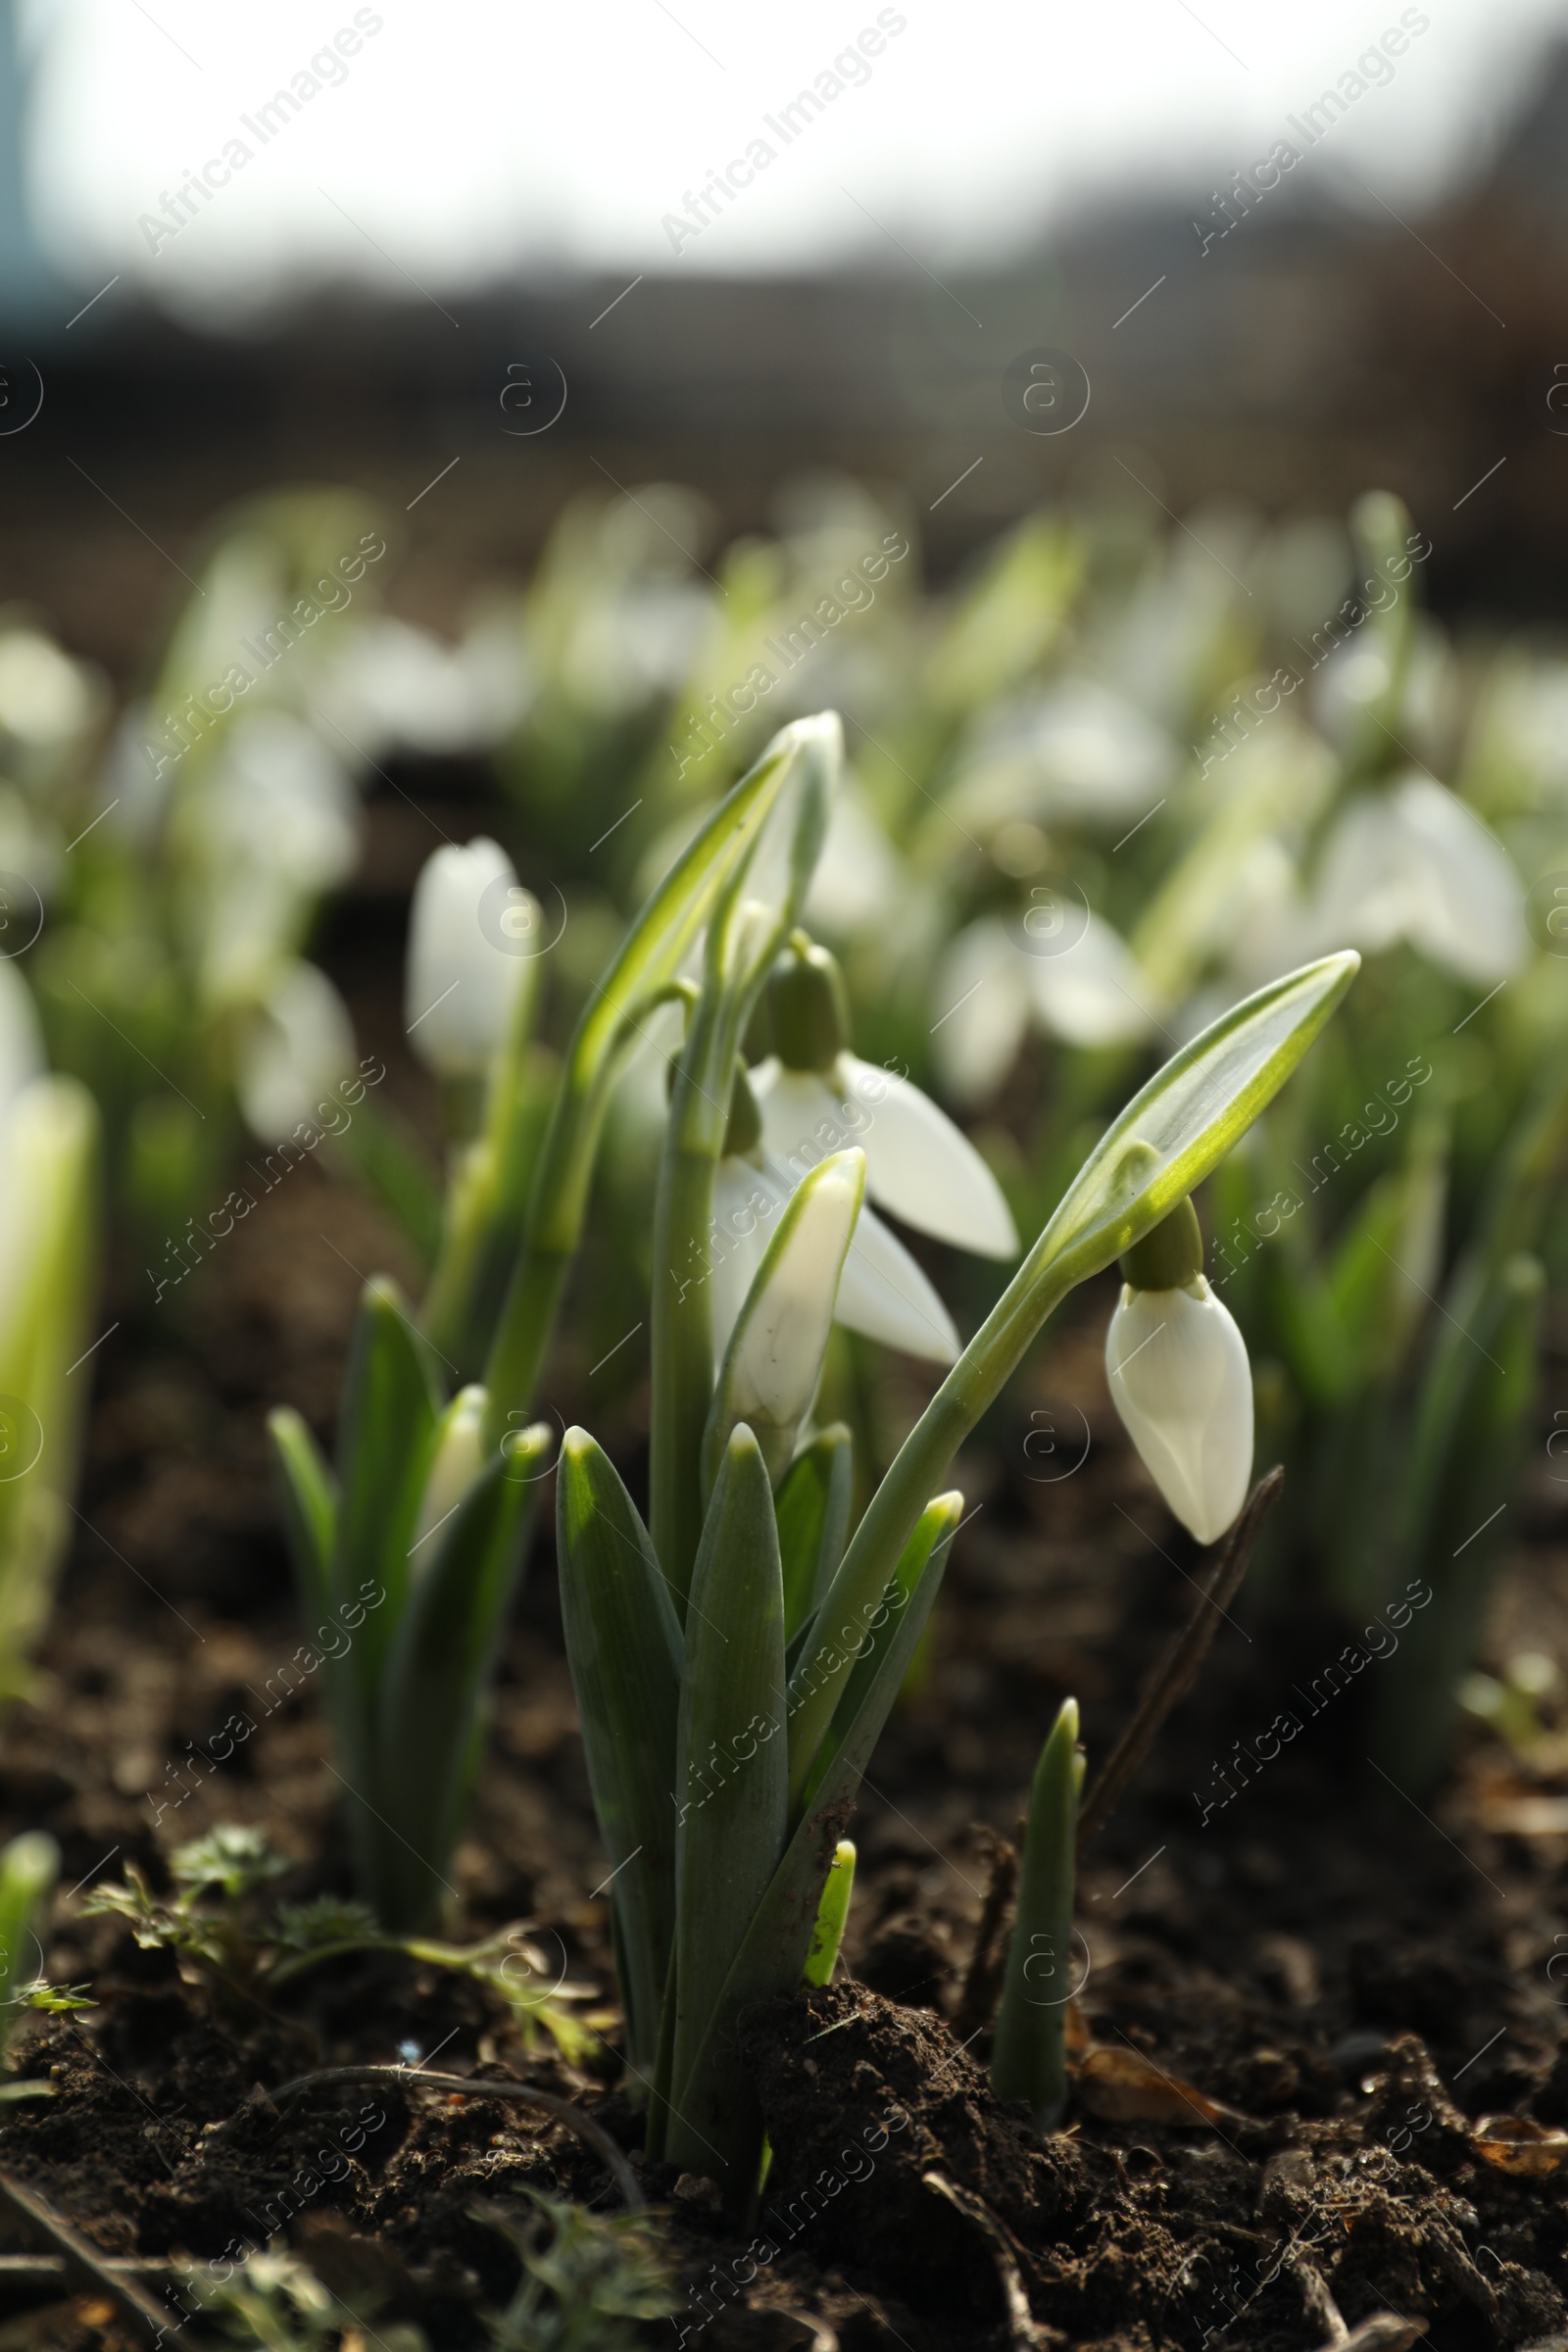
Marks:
<point>990,988</point>
<point>882,1292</point>
<point>297,1046</point>
<point>773,1358</point>
<point>1413,863</point>
<point>918,1165</point>
<point>472,934</point>
<point>1181,1382</point>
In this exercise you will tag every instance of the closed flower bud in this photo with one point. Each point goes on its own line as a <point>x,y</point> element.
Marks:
<point>464,969</point>
<point>459,1458</point>
<point>774,1357</point>
<point>1182,1384</point>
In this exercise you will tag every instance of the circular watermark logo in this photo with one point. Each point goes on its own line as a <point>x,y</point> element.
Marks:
<point>1548,395</point>
<point>1052,1448</point>
<point>1049,1974</point>
<point>20,914</point>
<point>21,394</point>
<point>532,396</point>
<point>21,1438</point>
<point>513,920</point>
<point>1546,912</point>
<point>1055,919</point>
<point>1045,390</point>
<point>516,1472</point>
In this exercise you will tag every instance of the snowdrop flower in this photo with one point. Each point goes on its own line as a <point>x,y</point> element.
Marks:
<point>813,1093</point>
<point>468,954</point>
<point>1180,1378</point>
<point>1077,752</point>
<point>774,1357</point>
<point>1413,863</point>
<point>299,1044</point>
<point>989,991</point>
<point>882,1292</point>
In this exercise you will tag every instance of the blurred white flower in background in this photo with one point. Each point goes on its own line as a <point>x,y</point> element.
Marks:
<point>395,687</point>
<point>989,989</point>
<point>1412,863</point>
<point>1077,752</point>
<point>470,927</point>
<point>297,1046</point>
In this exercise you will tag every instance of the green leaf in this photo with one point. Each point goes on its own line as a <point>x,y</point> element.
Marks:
<point>1165,1142</point>
<point>235,1857</point>
<point>812,1509</point>
<point>716,2096</point>
<point>649,959</point>
<point>1029,2058</point>
<point>730,1786</point>
<point>385,1440</point>
<point>436,1676</point>
<point>310,1505</point>
<point>623,1644</point>
<point>28,1868</point>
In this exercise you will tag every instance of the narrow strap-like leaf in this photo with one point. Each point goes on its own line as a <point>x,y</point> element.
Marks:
<point>717,2102</point>
<point>731,1779</point>
<point>385,1438</point>
<point>437,1672</point>
<point>623,1644</point>
<point>812,1507</point>
<point>310,1505</point>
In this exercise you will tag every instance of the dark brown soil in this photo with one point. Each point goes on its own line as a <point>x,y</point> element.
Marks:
<point>1355,1978</point>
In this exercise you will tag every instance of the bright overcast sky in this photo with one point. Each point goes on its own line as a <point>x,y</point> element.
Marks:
<point>470,138</point>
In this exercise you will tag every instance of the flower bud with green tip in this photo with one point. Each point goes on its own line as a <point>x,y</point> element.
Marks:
<point>775,1358</point>
<point>458,1462</point>
<point>919,1166</point>
<point>1180,1378</point>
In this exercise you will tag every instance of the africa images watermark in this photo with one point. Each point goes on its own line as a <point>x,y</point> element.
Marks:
<point>706,729</point>
<point>1378,595</point>
<point>203,710</point>
<point>1379,1639</point>
<point>1373,70</point>
<point>306,1138</point>
<point>850,69</point>
<point>327,70</point>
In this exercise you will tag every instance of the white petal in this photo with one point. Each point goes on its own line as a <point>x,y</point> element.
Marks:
<point>747,1200</point>
<point>858,877</point>
<point>884,1294</point>
<point>298,1047</point>
<point>771,1366</point>
<point>1181,1382</point>
<point>980,1006</point>
<point>1095,992</point>
<point>1469,912</point>
<point>920,1167</point>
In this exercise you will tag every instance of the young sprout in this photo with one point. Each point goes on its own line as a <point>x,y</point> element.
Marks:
<point>832,1915</point>
<point>1179,1377</point>
<point>1029,2056</point>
